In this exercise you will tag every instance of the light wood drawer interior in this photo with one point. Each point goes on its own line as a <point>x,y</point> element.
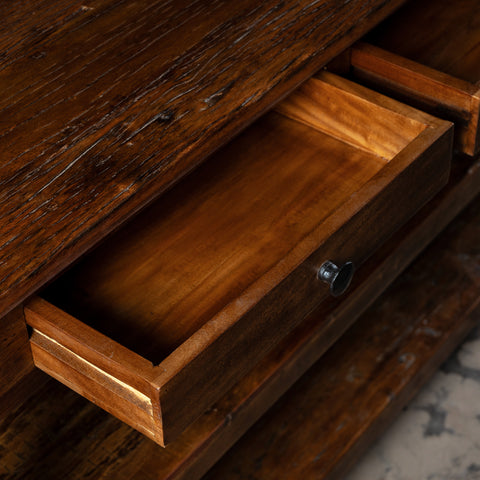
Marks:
<point>428,56</point>
<point>173,309</point>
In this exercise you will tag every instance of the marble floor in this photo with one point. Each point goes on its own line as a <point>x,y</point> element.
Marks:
<point>437,437</point>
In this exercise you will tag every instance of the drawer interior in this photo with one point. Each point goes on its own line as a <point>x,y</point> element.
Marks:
<point>157,281</point>
<point>173,309</point>
<point>441,34</point>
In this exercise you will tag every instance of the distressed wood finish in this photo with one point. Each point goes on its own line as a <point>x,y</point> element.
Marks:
<point>210,278</point>
<point>436,69</point>
<point>105,104</point>
<point>92,444</point>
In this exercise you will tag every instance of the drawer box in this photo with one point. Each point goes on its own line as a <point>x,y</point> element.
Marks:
<point>173,309</point>
<point>436,69</point>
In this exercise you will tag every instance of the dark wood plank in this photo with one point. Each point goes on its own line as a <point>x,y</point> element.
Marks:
<point>90,444</point>
<point>105,104</point>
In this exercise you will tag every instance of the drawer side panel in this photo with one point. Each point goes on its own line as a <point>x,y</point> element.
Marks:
<point>107,392</point>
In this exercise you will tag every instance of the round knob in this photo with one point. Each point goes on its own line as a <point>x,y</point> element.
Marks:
<point>338,278</point>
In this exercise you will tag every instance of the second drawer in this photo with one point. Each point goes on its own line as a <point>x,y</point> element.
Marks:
<point>435,68</point>
<point>171,311</point>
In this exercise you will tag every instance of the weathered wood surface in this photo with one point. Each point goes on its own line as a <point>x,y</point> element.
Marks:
<point>59,434</point>
<point>104,104</point>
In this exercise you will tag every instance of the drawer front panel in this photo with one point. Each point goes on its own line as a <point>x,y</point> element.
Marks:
<point>96,385</point>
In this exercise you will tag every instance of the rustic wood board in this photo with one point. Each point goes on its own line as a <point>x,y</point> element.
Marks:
<point>60,433</point>
<point>105,104</point>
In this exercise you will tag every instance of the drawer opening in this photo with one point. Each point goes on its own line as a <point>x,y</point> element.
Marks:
<point>159,280</point>
<point>173,309</point>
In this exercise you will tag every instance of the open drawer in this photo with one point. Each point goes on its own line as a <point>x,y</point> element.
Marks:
<point>428,55</point>
<point>172,310</point>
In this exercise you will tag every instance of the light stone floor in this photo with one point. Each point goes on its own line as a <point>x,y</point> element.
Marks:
<point>437,437</point>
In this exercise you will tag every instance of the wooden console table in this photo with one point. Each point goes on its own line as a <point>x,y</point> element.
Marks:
<point>202,302</point>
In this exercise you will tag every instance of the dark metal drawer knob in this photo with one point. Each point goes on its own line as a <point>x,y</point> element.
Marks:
<point>338,278</point>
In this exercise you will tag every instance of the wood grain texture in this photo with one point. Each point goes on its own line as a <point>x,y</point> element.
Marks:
<point>354,115</point>
<point>105,104</point>
<point>106,373</point>
<point>129,405</point>
<point>202,444</point>
<point>90,444</point>
<point>254,211</point>
<point>209,279</point>
<point>20,392</point>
